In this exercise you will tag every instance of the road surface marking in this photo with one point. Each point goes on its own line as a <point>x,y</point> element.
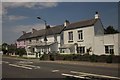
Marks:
<point>25,62</point>
<point>20,66</point>
<point>55,70</point>
<point>36,67</point>
<point>97,75</point>
<point>69,75</point>
<point>5,62</point>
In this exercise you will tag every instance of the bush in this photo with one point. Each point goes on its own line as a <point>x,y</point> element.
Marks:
<point>109,59</point>
<point>93,58</point>
<point>20,51</point>
<point>78,57</point>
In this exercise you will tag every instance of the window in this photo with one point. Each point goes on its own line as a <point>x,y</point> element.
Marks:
<point>37,39</point>
<point>24,42</point>
<point>70,36</point>
<point>62,36</point>
<point>80,35</point>
<point>109,49</point>
<point>18,43</point>
<point>81,50</point>
<point>30,41</point>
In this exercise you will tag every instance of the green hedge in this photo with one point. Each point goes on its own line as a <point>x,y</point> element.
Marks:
<point>78,57</point>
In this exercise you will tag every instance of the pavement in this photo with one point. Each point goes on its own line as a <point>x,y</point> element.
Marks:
<point>84,63</point>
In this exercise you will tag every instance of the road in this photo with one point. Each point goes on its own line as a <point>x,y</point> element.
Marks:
<point>17,68</point>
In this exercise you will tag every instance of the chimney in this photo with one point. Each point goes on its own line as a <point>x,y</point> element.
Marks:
<point>66,23</point>
<point>96,15</point>
<point>23,32</point>
<point>33,30</point>
<point>48,26</point>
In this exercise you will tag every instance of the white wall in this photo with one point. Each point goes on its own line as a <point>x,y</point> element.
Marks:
<point>88,37</point>
<point>101,41</point>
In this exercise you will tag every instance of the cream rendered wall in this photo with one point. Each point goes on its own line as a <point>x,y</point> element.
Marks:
<point>112,39</point>
<point>99,45</point>
<point>101,41</point>
<point>88,37</point>
<point>50,38</point>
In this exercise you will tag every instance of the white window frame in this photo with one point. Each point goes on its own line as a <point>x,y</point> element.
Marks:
<point>70,36</point>
<point>110,49</point>
<point>82,51</point>
<point>80,35</point>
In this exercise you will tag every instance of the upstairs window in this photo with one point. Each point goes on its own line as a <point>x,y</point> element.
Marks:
<point>62,36</point>
<point>109,49</point>
<point>24,42</point>
<point>70,36</point>
<point>30,41</point>
<point>80,35</point>
<point>37,39</point>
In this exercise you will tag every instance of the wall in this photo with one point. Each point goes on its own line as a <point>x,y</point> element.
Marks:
<point>88,37</point>
<point>98,28</point>
<point>101,41</point>
<point>21,44</point>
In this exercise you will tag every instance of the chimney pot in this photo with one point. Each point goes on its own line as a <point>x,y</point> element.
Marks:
<point>33,30</point>
<point>96,15</point>
<point>66,23</point>
<point>23,32</point>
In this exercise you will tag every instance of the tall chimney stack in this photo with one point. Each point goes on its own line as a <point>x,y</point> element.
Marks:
<point>96,15</point>
<point>66,23</point>
<point>33,30</point>
<point>23,32</point>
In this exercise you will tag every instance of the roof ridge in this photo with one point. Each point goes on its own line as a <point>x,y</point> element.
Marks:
<point>82,20</point>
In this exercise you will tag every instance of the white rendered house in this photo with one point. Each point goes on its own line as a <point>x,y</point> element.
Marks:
<point>87,37</point>
<point>35,44</point>
<point>82,37</point>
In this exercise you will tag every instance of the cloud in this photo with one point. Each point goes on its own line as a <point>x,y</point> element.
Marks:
<point>30,0</point>
<point>41,5</point>
<point>27,28</point>
<point>12,17</point>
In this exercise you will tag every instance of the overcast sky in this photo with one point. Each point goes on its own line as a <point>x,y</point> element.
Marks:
<point>21,16</point>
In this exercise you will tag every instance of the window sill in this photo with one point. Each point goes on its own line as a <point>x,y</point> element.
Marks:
<point>80,40</point>
<point>70,41</point>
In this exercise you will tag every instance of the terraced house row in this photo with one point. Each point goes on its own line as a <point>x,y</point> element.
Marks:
<point>82,37</point>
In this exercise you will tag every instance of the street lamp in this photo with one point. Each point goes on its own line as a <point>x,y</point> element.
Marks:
<point>45,37</point>
<point>43,20</point>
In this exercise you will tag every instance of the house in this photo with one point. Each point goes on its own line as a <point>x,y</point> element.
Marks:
<point>82,37</point>
<point>41,41</point>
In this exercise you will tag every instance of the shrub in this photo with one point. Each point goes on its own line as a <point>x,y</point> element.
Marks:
<point>93,58</point>
<point>20,51</point>
<point>109,59</point>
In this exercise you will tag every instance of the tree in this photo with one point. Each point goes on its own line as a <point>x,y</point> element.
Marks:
<point>5,48</point>
<point>12,48</point>
<point>20,51</point>
<point>110,30</point>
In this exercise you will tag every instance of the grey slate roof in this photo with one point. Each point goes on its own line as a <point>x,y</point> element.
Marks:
<point>24,36</point>
<point>39,33</point>
<point>81,24</point>
<point>58,29</point>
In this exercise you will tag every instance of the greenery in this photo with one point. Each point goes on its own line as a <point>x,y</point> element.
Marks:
<point>110,30</point>
<point>20,51</point>
<point>78,57</point>
<point>11,49</point>
<point>4,48</point>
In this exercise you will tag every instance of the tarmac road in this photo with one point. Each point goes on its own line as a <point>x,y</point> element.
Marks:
<point>18,68</point>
